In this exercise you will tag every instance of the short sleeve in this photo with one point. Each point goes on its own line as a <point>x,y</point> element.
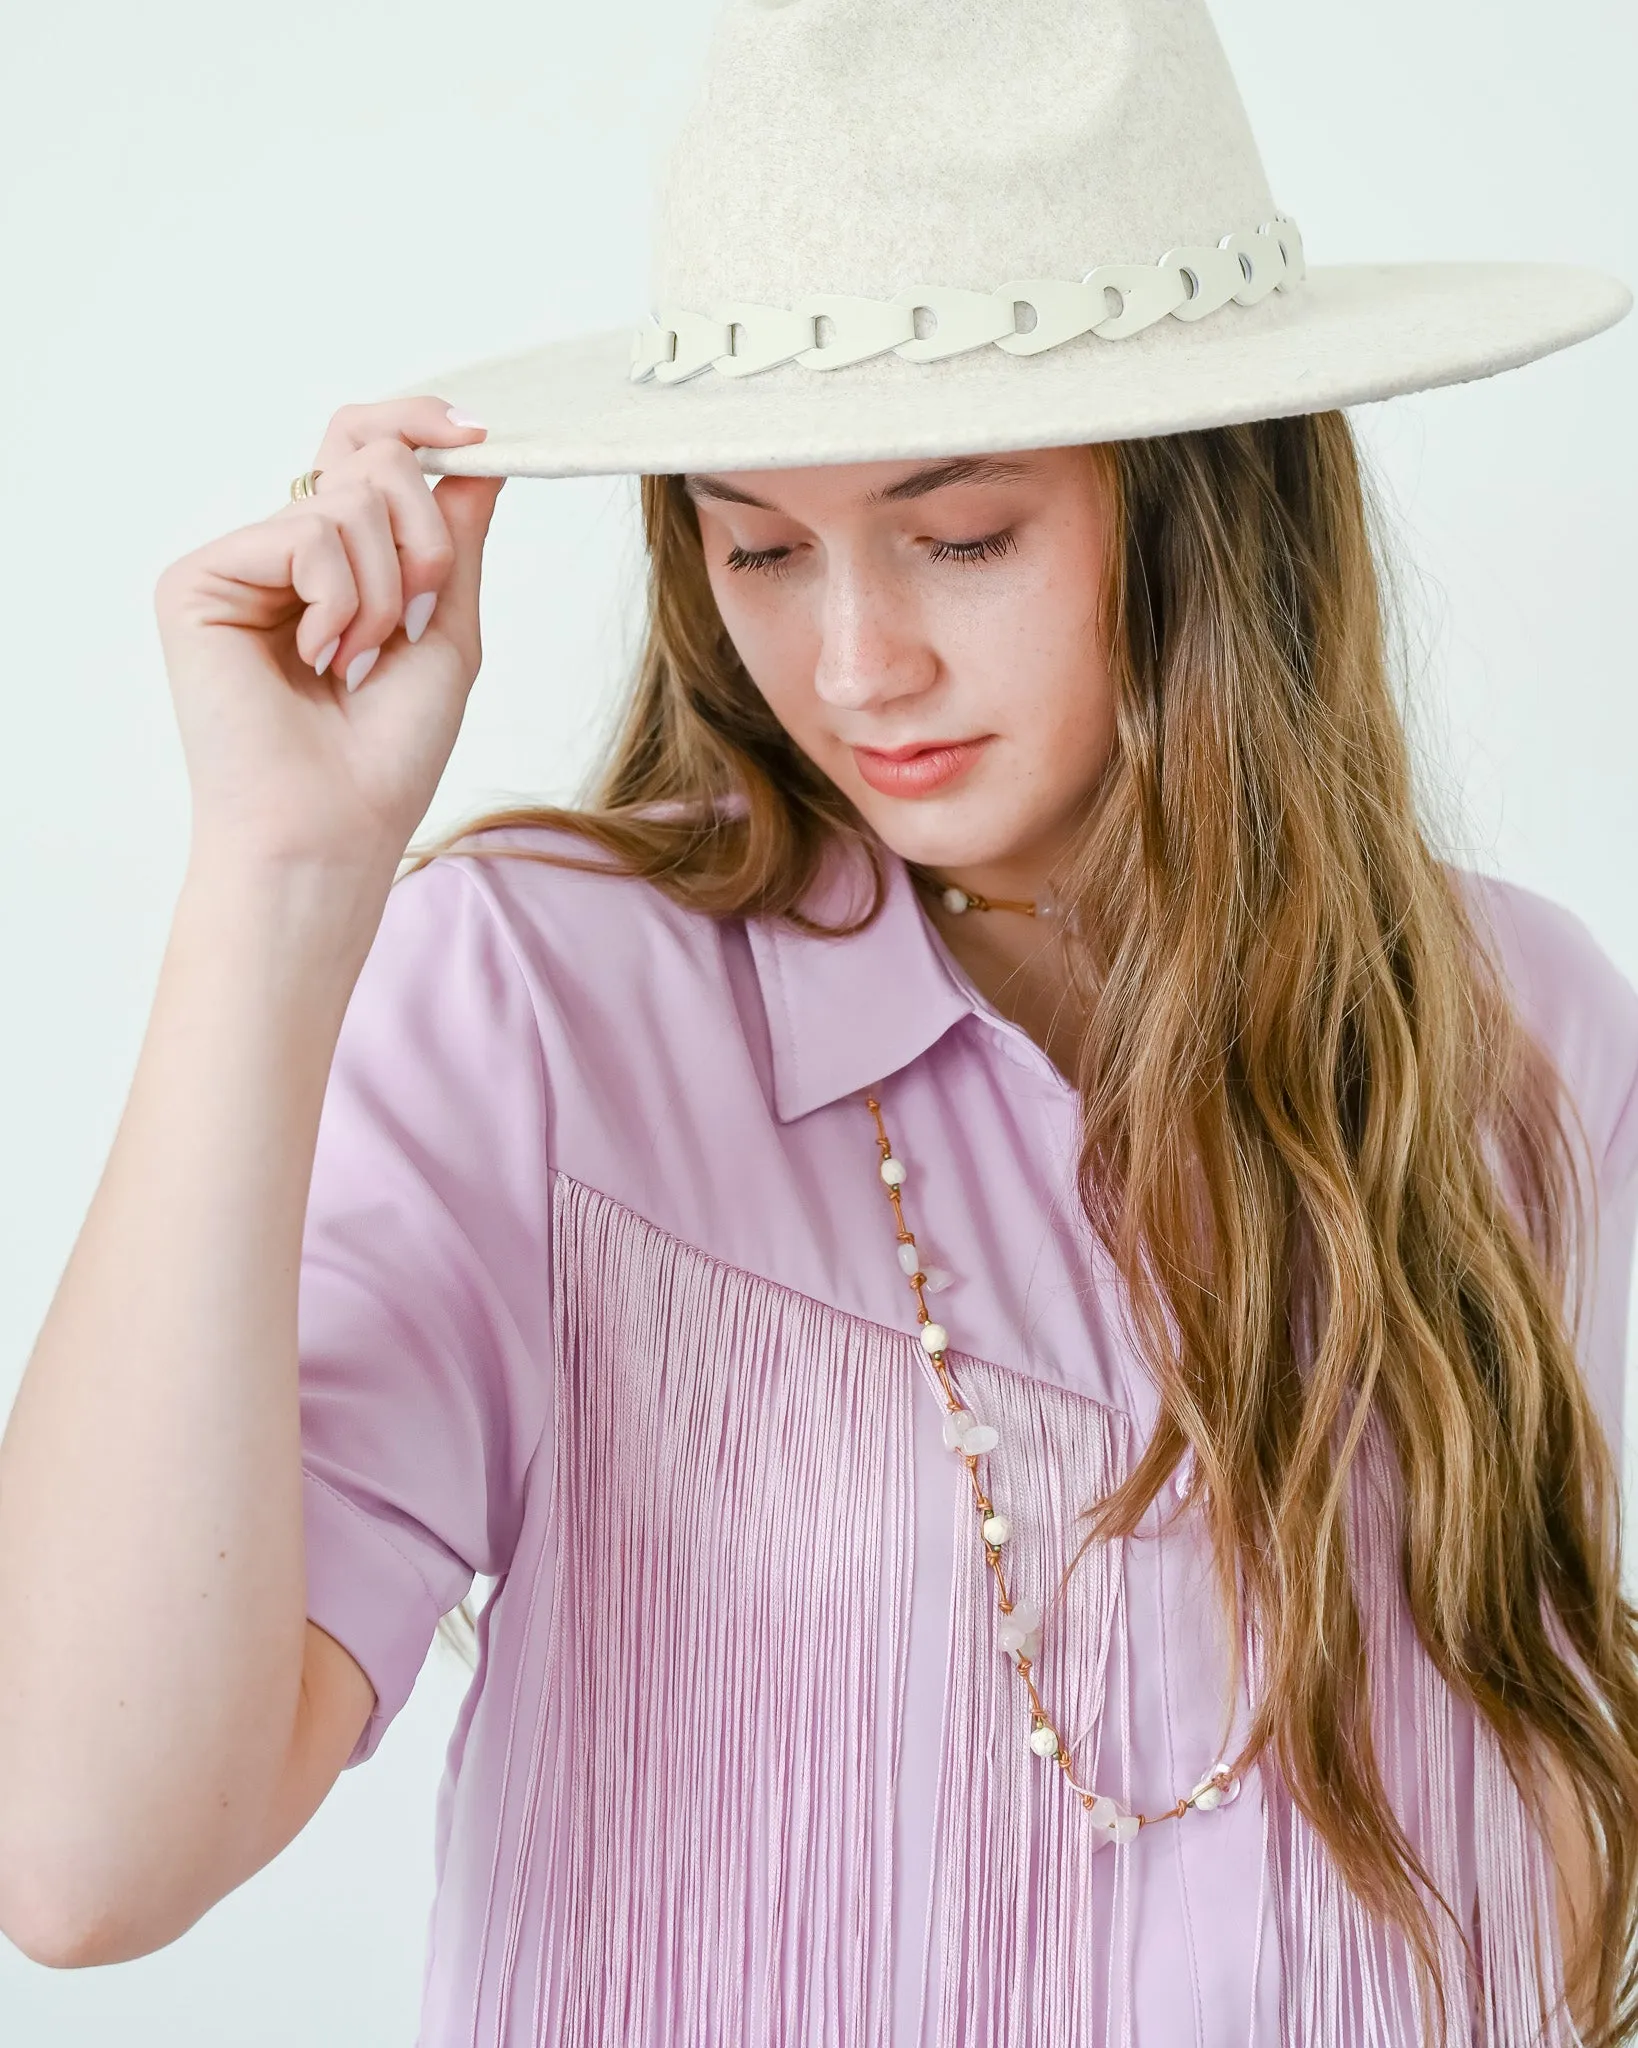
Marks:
<point>425,1295</point>
<point>1584,1012</point>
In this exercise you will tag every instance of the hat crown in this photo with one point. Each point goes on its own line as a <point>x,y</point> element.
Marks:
<point>863,146</point>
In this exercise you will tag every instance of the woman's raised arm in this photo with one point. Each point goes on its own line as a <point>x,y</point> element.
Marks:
<point>152,1697</point>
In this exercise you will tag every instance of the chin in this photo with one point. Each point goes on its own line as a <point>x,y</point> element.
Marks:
<point>947,835</point>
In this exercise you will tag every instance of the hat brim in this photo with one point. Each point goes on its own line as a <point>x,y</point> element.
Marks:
<point>1346,335</point>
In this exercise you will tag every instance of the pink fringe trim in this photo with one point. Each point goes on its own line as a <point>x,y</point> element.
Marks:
<point>1346,1979</point>
<point>705,1854</point>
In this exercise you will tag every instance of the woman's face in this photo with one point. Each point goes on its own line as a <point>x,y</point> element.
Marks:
<point>927,633</point>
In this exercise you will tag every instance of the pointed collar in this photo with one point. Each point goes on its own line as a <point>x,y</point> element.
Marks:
<point>845,1012</point>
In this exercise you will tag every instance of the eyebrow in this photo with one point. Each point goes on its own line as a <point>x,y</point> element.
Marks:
<point>962,469</point>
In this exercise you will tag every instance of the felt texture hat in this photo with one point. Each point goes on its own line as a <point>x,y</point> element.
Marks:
<point>896,228</point>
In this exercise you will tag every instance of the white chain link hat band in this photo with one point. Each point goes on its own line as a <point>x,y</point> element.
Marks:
<point>1112,301</point>
<point>967,202</point>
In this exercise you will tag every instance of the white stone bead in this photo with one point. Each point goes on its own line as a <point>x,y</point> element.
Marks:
<point>1044,1742</point>
<point>1104,1812</point>
<point>955,899</point>
<point>894,1171</point>
<point>1208,1798</point>
<point>996,1529</point>
<point>962,1433</point>
<point>936,1279</point>
<point>909,1259</point>
<point>1021,1629</point>
<point>1126,1827</point>
<point>934,1337</point>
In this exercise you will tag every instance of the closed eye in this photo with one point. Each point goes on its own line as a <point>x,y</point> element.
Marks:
<point>773,561</point>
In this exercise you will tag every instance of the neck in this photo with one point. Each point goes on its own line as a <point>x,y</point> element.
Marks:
<point>1014,960</point>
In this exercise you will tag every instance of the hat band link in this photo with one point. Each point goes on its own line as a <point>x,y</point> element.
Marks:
<point>830,330</point>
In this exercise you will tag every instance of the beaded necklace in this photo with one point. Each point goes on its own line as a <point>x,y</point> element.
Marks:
<point>959,900</point>
<point>1019,1632</point>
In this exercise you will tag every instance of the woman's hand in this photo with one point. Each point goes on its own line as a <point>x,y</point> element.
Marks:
<point>317,702</point>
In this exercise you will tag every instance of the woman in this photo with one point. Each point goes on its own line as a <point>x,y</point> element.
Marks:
<point>1022,1289</point>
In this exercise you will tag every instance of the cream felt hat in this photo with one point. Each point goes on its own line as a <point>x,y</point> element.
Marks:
<point>894,228</point>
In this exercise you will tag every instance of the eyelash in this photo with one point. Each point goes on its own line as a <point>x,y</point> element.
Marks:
<point>772,561</point>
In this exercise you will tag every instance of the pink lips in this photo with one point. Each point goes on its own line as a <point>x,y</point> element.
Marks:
<point>916,771</point>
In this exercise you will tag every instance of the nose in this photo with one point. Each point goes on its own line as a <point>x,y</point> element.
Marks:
<point>871,647</point>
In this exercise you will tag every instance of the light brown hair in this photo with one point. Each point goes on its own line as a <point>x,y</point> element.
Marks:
<point>1308,1106</point>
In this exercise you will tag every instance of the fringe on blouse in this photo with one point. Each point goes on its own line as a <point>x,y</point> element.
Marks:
<point>706,1856</point>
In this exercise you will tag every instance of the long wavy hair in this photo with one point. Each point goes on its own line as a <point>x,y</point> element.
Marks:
<point>1307,1106</point>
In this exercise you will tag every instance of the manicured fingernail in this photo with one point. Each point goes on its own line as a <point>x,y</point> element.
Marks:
<point>360,665</point>
<point>463,419</point>
<point>416,614</point>
<point>325,655</point>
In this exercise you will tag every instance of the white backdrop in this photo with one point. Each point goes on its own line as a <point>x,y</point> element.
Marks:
<point>220,223</point>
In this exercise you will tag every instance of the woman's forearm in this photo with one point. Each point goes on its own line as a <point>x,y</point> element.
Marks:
<point>151,1550</point>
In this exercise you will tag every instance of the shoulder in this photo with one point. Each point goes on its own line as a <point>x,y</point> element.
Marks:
<point>641,1020</point>
<point>545,917</point>
<point>558,897</point>
<point>1574,998</point>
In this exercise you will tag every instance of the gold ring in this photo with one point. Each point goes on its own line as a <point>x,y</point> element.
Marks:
<point>305,484</point>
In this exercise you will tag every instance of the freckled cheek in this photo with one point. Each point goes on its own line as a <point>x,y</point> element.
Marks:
<point>790,697</point>
<point>747,625</point>
<point>1063,723</point>
<point>778,655</point>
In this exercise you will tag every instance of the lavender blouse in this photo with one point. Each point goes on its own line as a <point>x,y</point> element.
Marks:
<point>599,1297</point>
